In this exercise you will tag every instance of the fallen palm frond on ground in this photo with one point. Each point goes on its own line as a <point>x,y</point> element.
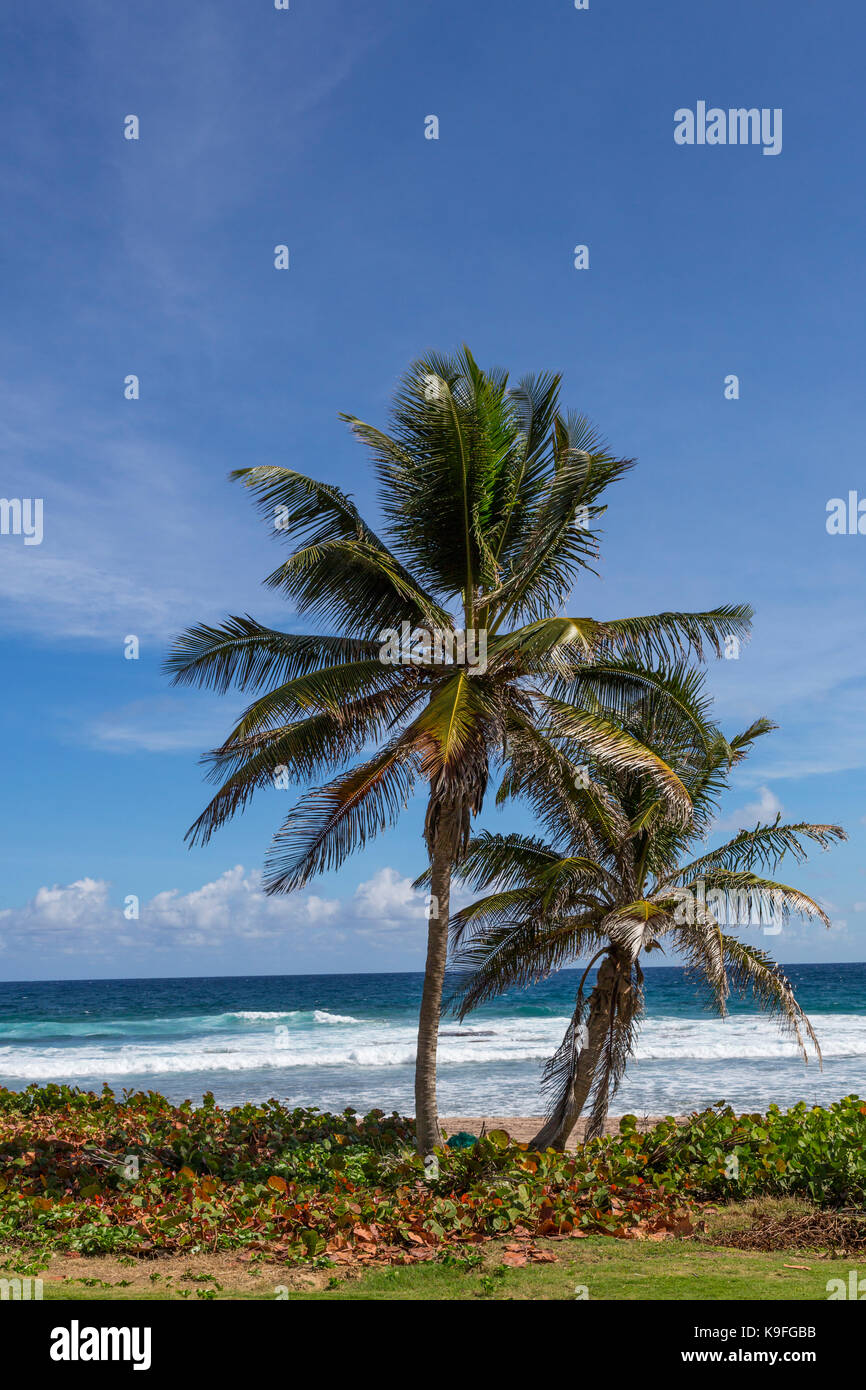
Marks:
<point>836,1233</point>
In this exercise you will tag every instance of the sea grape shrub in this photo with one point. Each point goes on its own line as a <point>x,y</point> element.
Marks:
<point>296,1183</point>
<point>242,1142</point>
<point>807,1151</point>
<point>300,1184</point>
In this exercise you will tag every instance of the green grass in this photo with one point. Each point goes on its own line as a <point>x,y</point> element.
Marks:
<point>626,1271</point>
<point>610,1269</point>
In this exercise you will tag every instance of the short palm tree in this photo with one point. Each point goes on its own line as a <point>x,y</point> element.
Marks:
<point>616,880</point>
<point>490,498</point>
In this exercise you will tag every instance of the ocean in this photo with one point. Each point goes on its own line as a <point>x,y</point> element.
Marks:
<point>339,1040</point>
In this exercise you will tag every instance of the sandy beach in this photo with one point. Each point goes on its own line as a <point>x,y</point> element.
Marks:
<point>523,1127</point>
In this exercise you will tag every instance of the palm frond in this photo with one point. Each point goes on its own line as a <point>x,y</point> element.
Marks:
<point>508,860</point>
<point>339,690</point>
<point>742,743</point>
<point>571,800</point>
<point>661,636</point>
<point>633,927</point>
<point>517,955</point>
<point>243,653</point>
<point>762,901</point>
<point>764,846</point>
<point>753,970</point>
<point>332,821</point>
<point>559,538</point>
<point>350,581</point>
<point>560,1074</point>
<point>288,753</point>
<point>606,743</point>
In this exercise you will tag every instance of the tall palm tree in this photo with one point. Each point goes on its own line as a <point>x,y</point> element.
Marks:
<point>616,880</point>
<point>490,499</point>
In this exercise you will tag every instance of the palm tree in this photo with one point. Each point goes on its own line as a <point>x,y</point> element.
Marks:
<point>490,499</point>
<point>615,881</point>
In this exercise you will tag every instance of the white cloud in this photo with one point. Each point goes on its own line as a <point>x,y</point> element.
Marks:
<point>389,898</point>
<point>87,918</point>
<point>765,808</point>
<point>232,908</point>
<point>78,905</point>
<point>235,905</point>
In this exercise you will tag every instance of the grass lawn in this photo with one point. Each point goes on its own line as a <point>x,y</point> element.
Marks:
<point>609,1269</point>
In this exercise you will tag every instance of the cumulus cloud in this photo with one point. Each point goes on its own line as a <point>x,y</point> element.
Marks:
<point>81,916</point>
<point>81,904</point>
<point>764,808</point>
<point>389,899</point>
<point>230,914</point>
<point>234,904</point>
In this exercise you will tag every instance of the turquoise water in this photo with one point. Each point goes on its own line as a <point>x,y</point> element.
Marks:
<point>338,1040</point>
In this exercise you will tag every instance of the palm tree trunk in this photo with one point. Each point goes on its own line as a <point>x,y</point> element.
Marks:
<point>428,1133</point>
<point>556,1132</point>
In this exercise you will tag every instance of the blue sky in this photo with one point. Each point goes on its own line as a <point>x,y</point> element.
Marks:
<point>155,257</point>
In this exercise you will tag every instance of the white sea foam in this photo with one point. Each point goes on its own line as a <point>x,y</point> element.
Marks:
<point>745,1037</point>
<point>189,1024</point>
<point>256,1015</point>
<point>687,1045</point>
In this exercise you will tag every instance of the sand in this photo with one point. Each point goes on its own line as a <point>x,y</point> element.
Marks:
<point>523,1127</point>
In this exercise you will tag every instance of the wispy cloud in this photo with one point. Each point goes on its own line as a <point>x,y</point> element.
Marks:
<point>161,725</point>
<point>125,548</point>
